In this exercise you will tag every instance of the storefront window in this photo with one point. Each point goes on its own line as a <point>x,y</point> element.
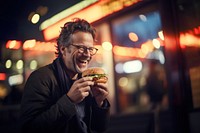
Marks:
<point>139,61</point>
<point>189,25</point>
<point>11,73</point>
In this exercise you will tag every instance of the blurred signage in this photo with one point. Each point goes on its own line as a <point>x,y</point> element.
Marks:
<point>39,46</point>
<point>67,12</point>
<point>112,6</point>
<point>190,38</point>
<point>91,13</point>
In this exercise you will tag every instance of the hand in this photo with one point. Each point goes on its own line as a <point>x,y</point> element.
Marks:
<point>80,89</point>
<point>100,92</point>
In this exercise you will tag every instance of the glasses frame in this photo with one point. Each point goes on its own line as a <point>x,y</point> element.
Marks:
<point>83,49</point>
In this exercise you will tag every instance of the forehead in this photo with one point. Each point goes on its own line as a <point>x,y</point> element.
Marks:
<point>81,37</point>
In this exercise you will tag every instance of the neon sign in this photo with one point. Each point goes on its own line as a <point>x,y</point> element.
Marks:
<point>98,10</point>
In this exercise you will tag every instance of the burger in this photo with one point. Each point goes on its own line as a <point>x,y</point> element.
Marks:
<point>97,73</point>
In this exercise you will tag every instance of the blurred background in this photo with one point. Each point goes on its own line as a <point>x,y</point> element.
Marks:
<point>150,50</point>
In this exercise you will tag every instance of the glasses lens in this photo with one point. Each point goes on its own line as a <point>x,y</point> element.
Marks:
<point>93,51</point>
<point>82,49</point>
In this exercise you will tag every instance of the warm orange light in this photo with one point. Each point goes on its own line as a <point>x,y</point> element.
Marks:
<point>124,51</point>
<point>107,46</point>
<point>2,76</point>
<point>119,51</point>
<point>13,44</point>
<point>141,54</point>
<point>187,39</point>
<point>91,14</point>
<point>45,46</point>
<point>39,46</point>
<point>133,37</point>
<point>28,44</point>
<point>147,47</point>
<point>190,38</point>
<point>144,49</point>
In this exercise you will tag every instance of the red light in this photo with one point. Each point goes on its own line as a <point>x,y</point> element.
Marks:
<point>2,76</point>
<point>13,44</point>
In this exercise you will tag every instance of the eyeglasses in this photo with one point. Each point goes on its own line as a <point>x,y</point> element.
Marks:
<point>82,49</point>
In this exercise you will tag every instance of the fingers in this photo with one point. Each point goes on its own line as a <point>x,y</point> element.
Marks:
<point>103,91</point>
<point>100,92</point>
<point>101,86</point>
<point>100,89</point>
<point>80,89</point>
<point>84,79</point>
<point>84,91</point>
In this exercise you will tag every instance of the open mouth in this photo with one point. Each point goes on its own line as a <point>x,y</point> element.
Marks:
<point>81,63</point>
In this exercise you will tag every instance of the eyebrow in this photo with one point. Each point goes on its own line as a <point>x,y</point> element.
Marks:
<point>81,45</point>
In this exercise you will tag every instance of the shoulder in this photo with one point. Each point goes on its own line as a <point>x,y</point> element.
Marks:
<point>44,71</point>
<point>43,74</point>
<point>41,81</point>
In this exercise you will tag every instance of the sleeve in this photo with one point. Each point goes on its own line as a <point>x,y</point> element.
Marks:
<point>38,113</point>
<point>100,116</point>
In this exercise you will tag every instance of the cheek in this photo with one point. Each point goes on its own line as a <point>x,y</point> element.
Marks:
<point>67,56</point>
<point>69,51</point>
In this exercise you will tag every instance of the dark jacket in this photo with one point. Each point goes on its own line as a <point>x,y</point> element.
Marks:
<point>46,108</point>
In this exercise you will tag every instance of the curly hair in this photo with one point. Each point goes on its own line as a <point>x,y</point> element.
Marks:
<point>70,28</point>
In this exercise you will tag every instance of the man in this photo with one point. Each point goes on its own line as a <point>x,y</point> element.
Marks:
<point>56,98</point>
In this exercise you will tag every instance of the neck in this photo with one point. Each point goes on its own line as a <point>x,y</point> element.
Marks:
<point>71,74</point>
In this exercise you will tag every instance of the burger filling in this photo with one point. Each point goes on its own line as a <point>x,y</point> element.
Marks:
<point>97,76</point>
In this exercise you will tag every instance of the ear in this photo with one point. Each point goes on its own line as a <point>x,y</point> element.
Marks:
<point>62,49</point>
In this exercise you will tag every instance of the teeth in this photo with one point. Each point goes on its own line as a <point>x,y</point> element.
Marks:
<point>83,61</point>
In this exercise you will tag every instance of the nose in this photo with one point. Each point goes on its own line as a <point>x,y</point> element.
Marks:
<point>86,52</point>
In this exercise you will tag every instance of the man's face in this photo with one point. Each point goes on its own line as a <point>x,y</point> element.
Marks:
<point>75,60</point>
